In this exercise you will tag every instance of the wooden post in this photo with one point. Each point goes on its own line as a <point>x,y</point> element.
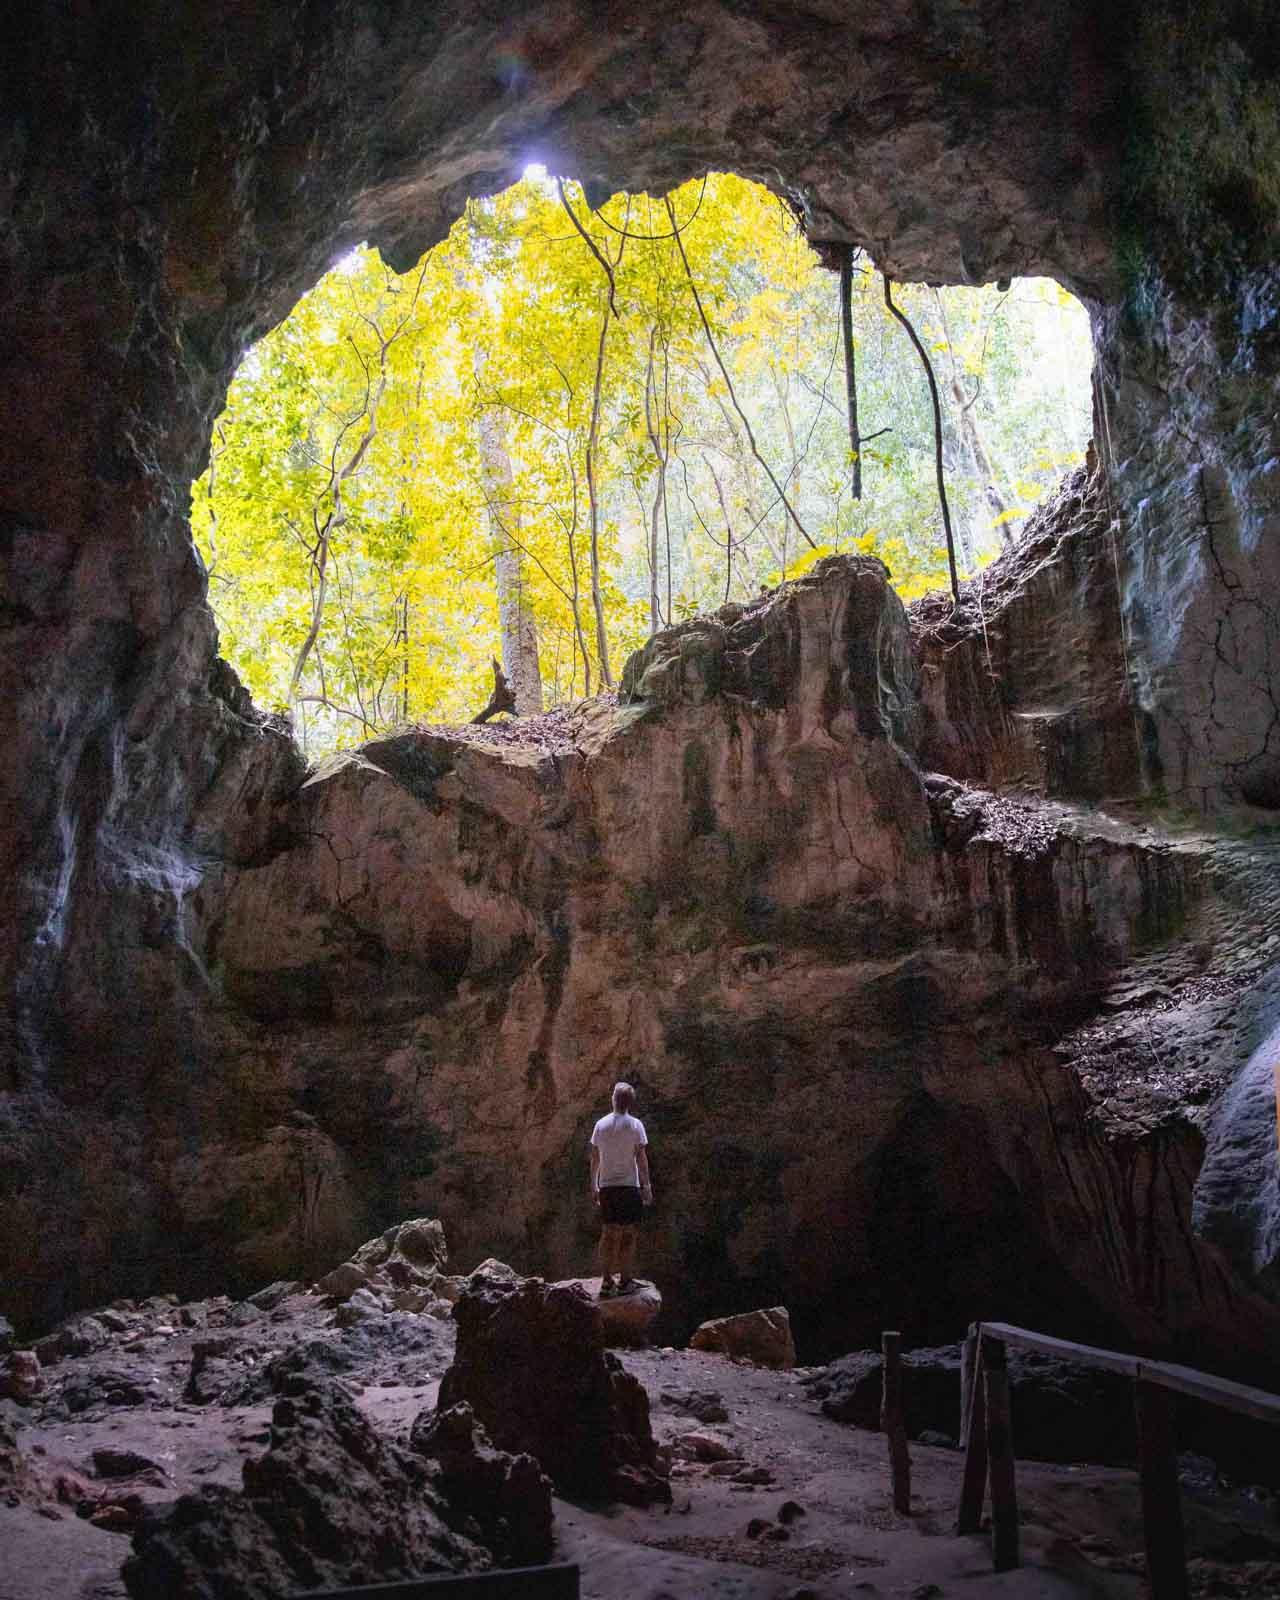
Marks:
<point>1161,1498</point>
<point>892,1423</point>
<point>973,1489</point>
<point>968,1371</point>
<point>1004,1492</point>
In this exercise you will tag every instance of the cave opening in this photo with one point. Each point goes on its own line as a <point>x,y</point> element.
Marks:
<point>571,424</point>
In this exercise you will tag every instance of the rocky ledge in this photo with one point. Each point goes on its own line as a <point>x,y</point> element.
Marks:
<point>925,1027</point>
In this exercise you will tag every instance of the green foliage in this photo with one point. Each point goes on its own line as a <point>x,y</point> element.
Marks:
<point>387,441</point>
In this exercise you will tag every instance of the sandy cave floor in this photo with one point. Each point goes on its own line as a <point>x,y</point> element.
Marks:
<point>1081,1524</point>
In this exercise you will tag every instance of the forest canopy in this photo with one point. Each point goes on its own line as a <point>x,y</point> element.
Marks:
<point>566,428</point>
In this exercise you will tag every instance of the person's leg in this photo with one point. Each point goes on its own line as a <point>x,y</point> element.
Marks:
<point>626,1254</point>
<point>608,1252</point>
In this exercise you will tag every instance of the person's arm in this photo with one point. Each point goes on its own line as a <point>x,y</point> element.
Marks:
<point>595,1174</point>
<point>642,1167</point>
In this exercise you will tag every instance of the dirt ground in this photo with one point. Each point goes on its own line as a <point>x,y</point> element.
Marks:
<point>839,1536</point>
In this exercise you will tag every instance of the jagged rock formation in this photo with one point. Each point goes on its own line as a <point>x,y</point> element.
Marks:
<point>762,901</point>
<point>401,1270</point>
<point>501,1500</point>
<point>531,1364</point>
<point>330,1503</point>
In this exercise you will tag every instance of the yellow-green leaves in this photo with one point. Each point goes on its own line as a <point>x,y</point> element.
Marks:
<point>499,339</point>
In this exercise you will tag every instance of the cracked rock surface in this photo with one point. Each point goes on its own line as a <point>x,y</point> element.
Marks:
<point>907,1045</point>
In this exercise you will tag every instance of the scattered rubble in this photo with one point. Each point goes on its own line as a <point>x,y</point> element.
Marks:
<point>401,1270</point>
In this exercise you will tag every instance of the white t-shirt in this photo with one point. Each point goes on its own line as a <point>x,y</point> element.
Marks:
<point>617,1137</point>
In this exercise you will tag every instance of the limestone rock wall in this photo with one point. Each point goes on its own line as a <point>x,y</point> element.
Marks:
<point>1026,683</point>
<point>840,982</point>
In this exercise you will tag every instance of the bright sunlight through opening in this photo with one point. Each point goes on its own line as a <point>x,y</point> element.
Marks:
<point>565,428</point>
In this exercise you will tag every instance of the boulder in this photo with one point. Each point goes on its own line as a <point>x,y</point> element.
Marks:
<point>362,1305</point>
<point>503,1501</point>
<point>706,1405</point>
<point>420,1242</point>
<point>109,1386</point>
<point>81,1336</point>
<point>112,1463</point>
<point>1061,1412</point>
<point>705,1447</point>
<point>343,1281</point>
<point>213,1370</point>
<point>21,1380</point>
<point>627,1318</point>
<point>531,1361</point>
<point>762,1337</point>
<point>17,1480</point>
<point>331,1503</point>
<point>405,1260</point>
<point>490,1267</point>
<point>269,1298</point>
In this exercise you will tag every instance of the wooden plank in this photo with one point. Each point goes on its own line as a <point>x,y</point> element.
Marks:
<point>1259,1403</point>
<point>1250,1402</point>
<point>1005,1537</point>
<point>973,1485</point>
<point>968,1372</point>
<point>1065,1349</point>
<point>892,1424</point>
<point>1161,1497</point>
<point>559,1582</point>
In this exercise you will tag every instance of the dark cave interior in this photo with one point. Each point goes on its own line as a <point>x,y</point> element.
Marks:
<point>971,933</point>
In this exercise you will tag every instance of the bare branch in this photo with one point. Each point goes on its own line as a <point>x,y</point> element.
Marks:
<point>724,373</point>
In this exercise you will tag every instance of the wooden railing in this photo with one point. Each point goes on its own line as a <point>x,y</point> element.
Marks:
<point>987,1437</point>
<point>559,1582</point>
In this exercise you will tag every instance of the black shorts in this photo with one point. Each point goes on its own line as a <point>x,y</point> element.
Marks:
<point>621,1203</point>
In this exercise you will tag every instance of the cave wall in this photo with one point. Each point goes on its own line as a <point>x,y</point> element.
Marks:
<point>170,186</point>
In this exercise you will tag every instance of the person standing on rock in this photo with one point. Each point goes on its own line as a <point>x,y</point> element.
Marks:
<point>620,1187</point>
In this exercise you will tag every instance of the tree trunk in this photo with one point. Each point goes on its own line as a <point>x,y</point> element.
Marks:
<point>593,499</point>
<point>653,426</point>
<point>971,436</point>
<point>984,468</point>
<point>850,367</point>
<point>962,470</point>
<point>516,623</point>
